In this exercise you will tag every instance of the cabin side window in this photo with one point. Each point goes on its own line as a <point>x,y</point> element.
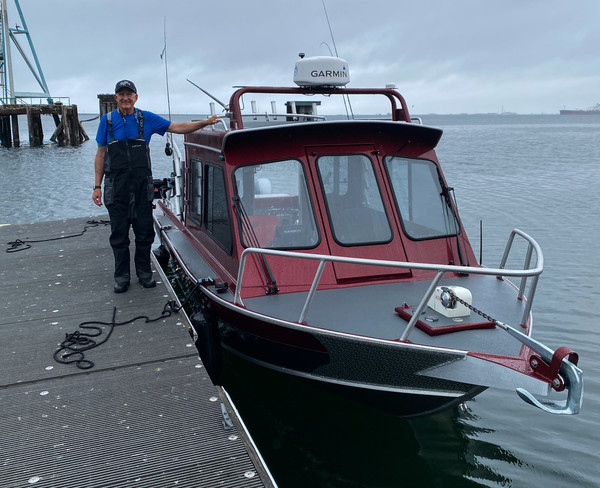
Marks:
<point>216,215</point>
<point>273,206</point>
<point>424,208</point>
<point>196,190</point>
<point>353,198</point>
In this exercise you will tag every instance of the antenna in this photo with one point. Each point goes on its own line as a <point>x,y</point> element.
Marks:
<point>327,47</point>
<point>164,55</point>
<point>211,96</point>
<point>330,31</point>
<point>346,98</point>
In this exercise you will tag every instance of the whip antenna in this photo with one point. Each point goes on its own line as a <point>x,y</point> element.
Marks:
<point>211,96</point>
<point>330,30</point>
<point>346,98</point>
<point>163,55</point>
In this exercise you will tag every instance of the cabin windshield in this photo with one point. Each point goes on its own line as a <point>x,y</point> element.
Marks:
<point>354,202</point>
<point>424,210</point>
<point>274,207</point>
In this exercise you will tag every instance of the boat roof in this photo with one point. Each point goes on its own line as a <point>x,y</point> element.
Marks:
<point>330,133</point>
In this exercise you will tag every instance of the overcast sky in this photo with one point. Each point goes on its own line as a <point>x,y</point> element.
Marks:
<point>444,56</point>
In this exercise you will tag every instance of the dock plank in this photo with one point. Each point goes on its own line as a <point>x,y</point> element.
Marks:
<point>146,415</point>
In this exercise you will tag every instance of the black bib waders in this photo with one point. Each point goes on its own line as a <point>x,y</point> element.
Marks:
<point>128,196</point>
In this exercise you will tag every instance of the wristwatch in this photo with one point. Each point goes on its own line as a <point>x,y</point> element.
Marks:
<point>97,187</point>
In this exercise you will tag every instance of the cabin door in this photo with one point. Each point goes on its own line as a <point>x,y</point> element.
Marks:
<point>355,209</point>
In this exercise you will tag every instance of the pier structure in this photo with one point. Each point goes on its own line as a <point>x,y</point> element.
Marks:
<point>107,103</point>
<point>69,130</point>
<point>137,410</point>
<point>14,103</point>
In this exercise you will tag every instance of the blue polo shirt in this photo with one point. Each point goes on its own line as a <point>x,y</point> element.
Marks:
<point>126,127</point>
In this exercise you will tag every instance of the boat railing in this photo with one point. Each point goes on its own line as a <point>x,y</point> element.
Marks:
<point>526,273</point>
<point>282,117</point>
<point>178,160</point>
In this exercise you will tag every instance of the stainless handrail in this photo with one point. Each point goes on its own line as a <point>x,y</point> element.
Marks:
<point>268,116</point>
<point>533,246</point>
<point>440,269</point>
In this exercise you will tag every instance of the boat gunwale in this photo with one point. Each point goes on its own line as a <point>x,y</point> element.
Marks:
<point>303,327</point>
<point>519,364</point>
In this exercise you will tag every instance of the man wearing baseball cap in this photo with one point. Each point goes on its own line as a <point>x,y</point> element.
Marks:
<point>123,162</point>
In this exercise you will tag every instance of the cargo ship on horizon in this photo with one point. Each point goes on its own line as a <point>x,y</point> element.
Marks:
<point>595,110</point>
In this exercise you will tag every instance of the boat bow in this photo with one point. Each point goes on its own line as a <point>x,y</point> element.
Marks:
<point>537,369</point>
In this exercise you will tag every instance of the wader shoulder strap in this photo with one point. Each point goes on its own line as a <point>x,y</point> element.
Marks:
<point>140,123</point>
<point>139,117</point>
<point>109,123</point>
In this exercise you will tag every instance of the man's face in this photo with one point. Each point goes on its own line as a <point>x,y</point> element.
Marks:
<point>126,99</point>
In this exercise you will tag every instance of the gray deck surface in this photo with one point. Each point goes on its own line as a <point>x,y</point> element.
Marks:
<point>379,319</point>
<point>146,415</point>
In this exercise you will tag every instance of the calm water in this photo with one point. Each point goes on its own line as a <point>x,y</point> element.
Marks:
<point>537,173</point>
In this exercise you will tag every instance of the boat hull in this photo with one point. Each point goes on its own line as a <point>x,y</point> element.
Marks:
<point>580,112</point>
<point>387,375</point>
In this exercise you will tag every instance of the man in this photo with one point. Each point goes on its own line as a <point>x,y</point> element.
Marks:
<point>123,161</point>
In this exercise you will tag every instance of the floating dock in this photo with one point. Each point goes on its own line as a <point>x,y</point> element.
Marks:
<point>145,415</point>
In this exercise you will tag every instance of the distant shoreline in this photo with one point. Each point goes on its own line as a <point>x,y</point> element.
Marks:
<point>487,114</point>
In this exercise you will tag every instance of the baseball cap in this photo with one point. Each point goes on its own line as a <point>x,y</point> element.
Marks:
<point>125,84</point>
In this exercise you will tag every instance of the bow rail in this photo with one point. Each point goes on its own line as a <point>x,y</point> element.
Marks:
<point>528,272</point>
<point>571,377</point>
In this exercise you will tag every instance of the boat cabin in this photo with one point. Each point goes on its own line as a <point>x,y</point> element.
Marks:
<point>298,181</point>
<point>330,247</point>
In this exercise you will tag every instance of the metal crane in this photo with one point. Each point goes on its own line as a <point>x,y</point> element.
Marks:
<point>8,39</point>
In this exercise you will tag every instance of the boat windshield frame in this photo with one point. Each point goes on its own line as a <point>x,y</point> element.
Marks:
<point>428,213</point>
<point>277,210</point>
<point>353,199</point>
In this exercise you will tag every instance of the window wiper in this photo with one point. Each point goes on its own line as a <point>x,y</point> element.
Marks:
<point>459,245</point>
<point>250,236</point>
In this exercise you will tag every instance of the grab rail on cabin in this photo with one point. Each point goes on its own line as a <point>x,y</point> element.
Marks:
<point>440,269</point>
<point>288,117</point>
<point>399,113</point>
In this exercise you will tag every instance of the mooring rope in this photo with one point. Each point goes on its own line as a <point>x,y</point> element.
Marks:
<point>72,349</point>
<point>89,120</point>
<point>16,246</point>
<point>76,343</point>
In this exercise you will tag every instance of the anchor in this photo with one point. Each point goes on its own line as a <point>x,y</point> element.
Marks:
<point>551,366</point>
<point>548,365</point>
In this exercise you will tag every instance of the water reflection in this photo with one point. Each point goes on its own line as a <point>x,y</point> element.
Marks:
<point>311,437</point>
<point>454,446</point>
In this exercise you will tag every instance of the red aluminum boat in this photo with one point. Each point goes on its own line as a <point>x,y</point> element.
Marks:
<point>333,250</point>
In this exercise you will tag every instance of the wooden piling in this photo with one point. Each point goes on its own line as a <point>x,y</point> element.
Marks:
<point>107,103</point>
<point>34,124</point>
<point>68,127</point>
<point>15,130</point>
<point>5,139</point>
